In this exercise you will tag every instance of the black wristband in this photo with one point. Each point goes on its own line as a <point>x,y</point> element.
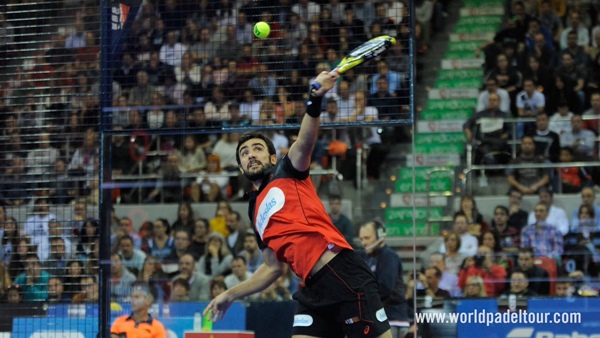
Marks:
<point>313,106</point>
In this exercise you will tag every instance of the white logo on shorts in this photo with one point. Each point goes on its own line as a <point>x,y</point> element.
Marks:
<point>381,316</point>
<point>303,320</point>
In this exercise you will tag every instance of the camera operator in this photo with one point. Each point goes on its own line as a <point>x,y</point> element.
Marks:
<point>482,265</point>
<point>427,284</point>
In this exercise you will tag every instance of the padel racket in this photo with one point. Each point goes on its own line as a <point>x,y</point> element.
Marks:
<point>367,51</point>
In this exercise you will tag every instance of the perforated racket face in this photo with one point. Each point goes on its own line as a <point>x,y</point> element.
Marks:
<point>366,51</point>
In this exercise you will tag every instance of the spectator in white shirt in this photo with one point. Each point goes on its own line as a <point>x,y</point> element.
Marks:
<point>588,198</point>
<point>491,86</point>
<point>172,51</point>
<point>345,101</point>
<point>560,122</point>
<point>529,102</point>
<point>583,34</point>
<point>468,242</point>
<point>556,216</point>
<point>37,225</point>
<point>239,273</point>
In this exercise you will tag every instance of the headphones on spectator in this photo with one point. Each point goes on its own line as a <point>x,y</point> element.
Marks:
<point>380,232</point>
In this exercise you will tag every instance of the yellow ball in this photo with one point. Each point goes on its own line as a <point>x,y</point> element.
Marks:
<point>262,29</point>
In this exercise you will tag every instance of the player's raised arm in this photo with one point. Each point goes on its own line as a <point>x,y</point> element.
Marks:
<point>301,150</point>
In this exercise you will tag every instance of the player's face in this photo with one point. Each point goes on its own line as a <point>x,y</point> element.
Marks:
<point>255,159</point>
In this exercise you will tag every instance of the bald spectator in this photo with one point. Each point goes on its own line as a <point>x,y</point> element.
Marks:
<point>488,129</point>
<point>581,140</point>
<point>199,283</point>
<point>527,180</point>
<point>491,86</point>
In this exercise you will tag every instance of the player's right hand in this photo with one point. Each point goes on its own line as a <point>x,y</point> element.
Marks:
<point>327,81</point>
<point>218,307</point>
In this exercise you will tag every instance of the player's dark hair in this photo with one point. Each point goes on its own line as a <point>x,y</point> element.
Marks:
<point>250,135</point>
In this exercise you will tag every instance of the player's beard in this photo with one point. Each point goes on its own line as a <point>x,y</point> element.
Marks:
<point>257,175</point>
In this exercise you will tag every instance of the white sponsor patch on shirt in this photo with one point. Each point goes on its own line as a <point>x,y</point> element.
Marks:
<point>303,320</point>
<point>272,203</point>
<point>380,315</point>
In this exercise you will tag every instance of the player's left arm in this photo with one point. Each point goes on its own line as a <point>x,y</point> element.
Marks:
<point>301,150</point>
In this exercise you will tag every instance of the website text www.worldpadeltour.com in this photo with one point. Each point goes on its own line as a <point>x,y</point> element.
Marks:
<point>510,317</point>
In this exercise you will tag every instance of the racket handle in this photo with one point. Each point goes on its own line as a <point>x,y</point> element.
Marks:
<point>316,85</point>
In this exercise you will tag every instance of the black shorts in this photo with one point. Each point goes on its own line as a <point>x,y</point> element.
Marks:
<point>342,299</point>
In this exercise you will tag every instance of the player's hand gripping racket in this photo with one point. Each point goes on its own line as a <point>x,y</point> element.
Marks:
<point>367,51</point>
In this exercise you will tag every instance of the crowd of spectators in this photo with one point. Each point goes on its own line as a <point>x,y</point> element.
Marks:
<point>543,64</point>
<point>192,259</point>
<point>195,67</point>
<point>518,252</point>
